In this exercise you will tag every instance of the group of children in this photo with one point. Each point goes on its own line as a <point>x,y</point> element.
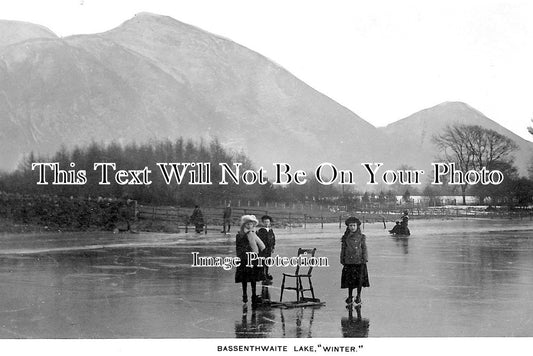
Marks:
<point>353,256</point>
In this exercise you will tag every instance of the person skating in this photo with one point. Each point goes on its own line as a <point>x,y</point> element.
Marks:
<point>401,227</point>
<point>353,257</point>
<point>404,223</point>
<point>226,218</point>
<point>247,241</point>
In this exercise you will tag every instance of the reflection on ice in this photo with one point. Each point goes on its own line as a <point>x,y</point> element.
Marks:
<point>355,326</point>
<point>256,324</point>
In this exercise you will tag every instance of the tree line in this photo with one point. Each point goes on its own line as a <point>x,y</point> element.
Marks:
<point>470,147</point>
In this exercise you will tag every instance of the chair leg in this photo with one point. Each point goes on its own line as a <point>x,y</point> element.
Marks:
<point>311,287</point>
<point>298,286</point>
<point>282,288</point>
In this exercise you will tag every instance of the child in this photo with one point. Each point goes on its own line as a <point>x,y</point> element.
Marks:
<point>266,234</point>
<point>396,228</point>
<point>354,256</point>
<point>247,241</point>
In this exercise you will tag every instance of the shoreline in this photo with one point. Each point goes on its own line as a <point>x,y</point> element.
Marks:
<point>8,226</point>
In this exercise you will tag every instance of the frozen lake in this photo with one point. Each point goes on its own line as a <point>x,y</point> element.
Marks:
<point>451,278</point>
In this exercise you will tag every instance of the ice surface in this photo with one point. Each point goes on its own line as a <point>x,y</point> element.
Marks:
<point>450,278</point>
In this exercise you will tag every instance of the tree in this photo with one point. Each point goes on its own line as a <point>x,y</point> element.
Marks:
<point>472,147</point>
<point>391,197</point>
<point>431,193</point>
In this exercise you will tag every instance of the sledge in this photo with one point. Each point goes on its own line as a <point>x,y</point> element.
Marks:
<point>303,303</point>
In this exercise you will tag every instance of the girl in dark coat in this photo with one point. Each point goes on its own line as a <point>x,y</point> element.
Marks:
<point>247,241</point>
<point>354,256</point>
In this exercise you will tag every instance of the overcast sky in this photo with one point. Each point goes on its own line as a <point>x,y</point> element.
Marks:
<point>384,60</point>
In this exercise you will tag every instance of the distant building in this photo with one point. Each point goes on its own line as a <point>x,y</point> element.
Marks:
<point>443,199</point>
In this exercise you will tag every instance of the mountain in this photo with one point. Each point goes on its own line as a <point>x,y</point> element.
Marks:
<point>412,136</point>
<point>265,110</point>
<point>14,31</point>
<point>155,77</point>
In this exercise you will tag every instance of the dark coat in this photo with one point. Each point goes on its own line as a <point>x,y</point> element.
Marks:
<point>227,213</point>
<point>197,218</point>
<point>353,249</point>
<point>244,273</point>
<point>269,239</point>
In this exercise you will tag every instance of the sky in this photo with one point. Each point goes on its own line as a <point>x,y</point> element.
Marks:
<point>383,60</point>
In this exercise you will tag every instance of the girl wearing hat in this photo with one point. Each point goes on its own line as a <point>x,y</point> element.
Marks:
<point>247,241</point>
<point>354,256</point>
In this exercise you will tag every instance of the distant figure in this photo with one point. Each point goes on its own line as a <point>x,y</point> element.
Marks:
<point>197,218</point>
<point>266,234</point>
<point>402,226</point>
<point>125,214</point>
<point>396,228</point>
<point>404,223</point>
<point>226,217</point>
<point>354,256</point>
<point>247,241</point>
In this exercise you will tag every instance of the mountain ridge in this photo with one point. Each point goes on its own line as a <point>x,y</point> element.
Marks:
<point>12,32</point>
<point>156,77</point>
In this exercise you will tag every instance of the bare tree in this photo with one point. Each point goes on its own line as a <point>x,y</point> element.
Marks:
<point>473,147</point>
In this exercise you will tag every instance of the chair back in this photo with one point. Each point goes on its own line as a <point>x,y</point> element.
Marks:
<point>309,252</point>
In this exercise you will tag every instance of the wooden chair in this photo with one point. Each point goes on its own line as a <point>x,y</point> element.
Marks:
<point>299,288</point>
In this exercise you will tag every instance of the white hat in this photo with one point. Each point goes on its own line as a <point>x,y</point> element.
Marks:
<point>247,218</point>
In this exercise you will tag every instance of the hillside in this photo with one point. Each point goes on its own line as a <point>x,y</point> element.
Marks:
<point>155,77</point>
<point>412,135</point>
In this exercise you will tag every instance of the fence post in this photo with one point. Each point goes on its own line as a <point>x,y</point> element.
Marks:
<point>340,222</point>
<point>178,218</point>
<point>305,221</point>
<point>322,221</point>
<point>290,220</point>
